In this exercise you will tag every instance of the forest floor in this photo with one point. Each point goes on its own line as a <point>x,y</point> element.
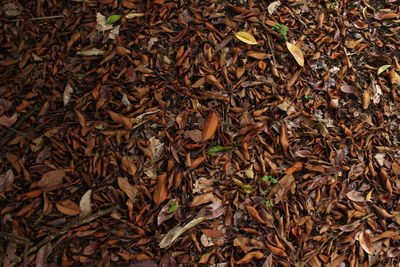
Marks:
<point>199,133</point>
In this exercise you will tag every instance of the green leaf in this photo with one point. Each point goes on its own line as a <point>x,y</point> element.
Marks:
<point>247,188</point>
<point>113,18</point>
<point>218,149</point>
<point>383,68</point>
<point>268,203</point>
<point>282,29</point>
<point>267,178</point>
<point>274,181</point>
<point>173,207</point>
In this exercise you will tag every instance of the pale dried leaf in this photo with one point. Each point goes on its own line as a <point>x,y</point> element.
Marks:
<point>272,7</point>
<point>91,52</point>
<point>296,53</point>
<point>177,231</point>
<point>67,94</point>
<point>86,204</point>
<point>365,242</point>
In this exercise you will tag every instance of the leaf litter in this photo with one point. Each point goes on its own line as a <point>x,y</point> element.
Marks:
<point>216,133</point>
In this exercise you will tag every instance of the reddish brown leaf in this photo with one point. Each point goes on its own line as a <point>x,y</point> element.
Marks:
<point>250,256</point>
<point>365,242</point>
<point>51,180</point>
<point>68,207</point>
<point>210,126</point>
<point>160,193</point>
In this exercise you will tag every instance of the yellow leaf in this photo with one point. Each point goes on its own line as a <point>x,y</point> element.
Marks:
<point>246,38</point>
<point>134,15</point>
<point>296,53</point>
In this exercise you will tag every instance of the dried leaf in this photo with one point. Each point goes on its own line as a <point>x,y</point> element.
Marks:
<point>86,204</point>
<point>68,207</point>
<point>272,7</point>
<point>177,231</point>
<point>296,53</point>
<point>246,38</point>
<point>164,212</point>
<point>134,15</point>
<point>356,196</point>
<point>210,126</point>
<point>67,94</point>
<point>350,90</point>
<point>121,119</point>
<point>248,244</point>
<point>10,254</point>
<point>128,189</point>
<point>366,243</point>
<point>91,52</point>
<point>6,179</point>
<point>250,256</point>
<point>101,23</point>
<point>212,211</point>
<point>8,121</point>
<point>42,255</point>
<point>51,180</point>
<point>160,193</point>
<point>204,198</point>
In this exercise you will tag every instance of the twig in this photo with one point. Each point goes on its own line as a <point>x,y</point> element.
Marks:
<point>41,18</point>
<point>64,230</point>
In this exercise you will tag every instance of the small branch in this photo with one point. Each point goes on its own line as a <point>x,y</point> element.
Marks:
<point>41,18</point>
<point>64,230</point>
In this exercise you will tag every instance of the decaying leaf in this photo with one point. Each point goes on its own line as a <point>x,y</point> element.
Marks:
<point>272,7</point>
<point>365,242</point>
<point>177,231</point>
<point>8,121</point>
<point>160,193</point>
<point>6,179</point>
<point>296,53</point>
<point>42,255</point>
<point>248,244</point>
<point>250,256</point>
<point>91,52</point>
<point>134,15</point>
<point>101,23</point>
<point>246,38</point>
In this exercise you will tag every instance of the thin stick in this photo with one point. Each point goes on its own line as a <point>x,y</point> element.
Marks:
<point>64,230</point>
<point>41,18</point>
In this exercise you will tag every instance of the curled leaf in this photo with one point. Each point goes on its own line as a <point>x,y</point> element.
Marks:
<point>246,38</point>
<point>210,126</point>
<point>296,53</point>
<point>134,15</point>
<point>177,231</point>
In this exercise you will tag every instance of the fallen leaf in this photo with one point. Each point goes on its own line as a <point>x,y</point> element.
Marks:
<point>43,253</point>
<point>272,7</point>
<point>68,207</point>
<point>211,211</point>
<point>101,23</point>
<point>10,254</point>
<point>218,149</point>
<point>210,126</point>
<point>356,196</point>
<point>296,53</point>
<point>195,135</point>
<point>113,18</point>
<point>366,243</point>
<point>382,69</point>
<point>250,256</point>
<point>67,94</point>
<point>121,119</point>
<point>156,148</point>
<point>258,55</point>
<point>128,189</point>
<point>164,213</point>
<point>91,52</point>
<point>6,179</point>
<point>51,180</point>
<point>204,198</point>
<point>246,38</point>
<point>177,231</point>
<point>8,121</point>
<point>86,204</point>
<point>350,90</point>
<point>248,244</point>
<point>160,193</point>
<point>134,15</point>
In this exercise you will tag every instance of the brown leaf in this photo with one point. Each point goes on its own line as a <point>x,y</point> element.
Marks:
<point>42,255</point>
<point>254,213</point>
<point>68,207</point>
<point>247,244</point>
<point>250,256</point>
<point>6,179</point>
<point>160,193</point>
<point>356,196</point>
<point>212,211</point>
<point>350,90</point>
<point>211,79</point>
<point>51,180</point>
<point>298,166</point>
<point>8,121</point>
<point>195,135</point>
<point>365,242</point>
<point>258,55</point>
<point>177,231</point>
<point>128,189</point>
<point>121,119</point>
<point>283,138</point>
<point>210,126</point>
<point>204,198</point>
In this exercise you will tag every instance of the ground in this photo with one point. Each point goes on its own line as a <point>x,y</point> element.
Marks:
<point>199,133</point>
